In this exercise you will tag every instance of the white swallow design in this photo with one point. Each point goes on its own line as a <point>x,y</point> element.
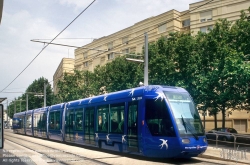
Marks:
<point>164,142</point>
<point>160,96</point>
<point>107,137</point>
<point>132,92</point>
<point>90,101</point>
<point>123,138</point>
<point>96,136</point>
<point>105,97</point>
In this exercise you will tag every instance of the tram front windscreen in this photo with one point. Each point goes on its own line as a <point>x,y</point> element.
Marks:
<point>186,115</point>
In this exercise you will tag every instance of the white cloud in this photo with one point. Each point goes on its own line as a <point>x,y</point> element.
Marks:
<point>78,4</point>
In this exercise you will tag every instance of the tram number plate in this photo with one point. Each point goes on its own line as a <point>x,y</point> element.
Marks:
<point>136,98</point>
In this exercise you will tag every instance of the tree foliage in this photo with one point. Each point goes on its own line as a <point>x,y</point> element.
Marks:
<point>114,76</point>
<point>211,66</point>
<point>34,101</point>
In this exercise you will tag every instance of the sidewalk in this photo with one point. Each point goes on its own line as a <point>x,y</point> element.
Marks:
<point>18,155</point>
<point>237,156</point>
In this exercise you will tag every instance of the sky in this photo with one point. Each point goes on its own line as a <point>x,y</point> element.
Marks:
<point>25,20</point>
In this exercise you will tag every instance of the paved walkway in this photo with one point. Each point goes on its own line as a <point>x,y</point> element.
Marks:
<point>237,156</point>
<point>14,154</point>
<point>7,157</point>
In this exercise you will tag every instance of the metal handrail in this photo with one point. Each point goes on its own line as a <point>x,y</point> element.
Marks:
<point>235,136</point>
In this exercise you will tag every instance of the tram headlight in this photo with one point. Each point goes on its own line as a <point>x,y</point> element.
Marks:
<point>185,141</point>
<point>205,140</point>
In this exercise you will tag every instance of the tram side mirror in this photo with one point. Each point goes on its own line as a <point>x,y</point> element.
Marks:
<point>1,126</point>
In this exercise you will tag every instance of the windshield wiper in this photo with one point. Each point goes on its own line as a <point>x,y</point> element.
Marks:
<point>188,126</point>
<point>184,123</point>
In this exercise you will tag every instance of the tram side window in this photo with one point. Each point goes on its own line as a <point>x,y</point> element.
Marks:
<point>89,120</point>
<point>22,122</point>
<point>117,117</point>
<point>70,120</point>
<point>103,113</point>
<point>158,118</point>
<point>36,120</point>
<point>132,117</point>
<point>28,121</point>
<point>52,120</point>
<point>79,116</point>
<point>42,120</point>
<point>57,120</point>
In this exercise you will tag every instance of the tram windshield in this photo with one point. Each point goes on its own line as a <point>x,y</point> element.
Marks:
<point>185,114</point>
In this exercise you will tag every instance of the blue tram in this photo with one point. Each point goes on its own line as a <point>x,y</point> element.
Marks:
<point>153,121</point>
<point>39,120</point>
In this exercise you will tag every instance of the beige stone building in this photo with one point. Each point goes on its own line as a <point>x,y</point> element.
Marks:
<point>199,17</point>
<point>65,66</point>
<point>240,120</point>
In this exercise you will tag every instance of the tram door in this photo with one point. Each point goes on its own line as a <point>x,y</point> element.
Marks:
<point>89,125</point>
<point>132,126</point>
<point>69,126</point>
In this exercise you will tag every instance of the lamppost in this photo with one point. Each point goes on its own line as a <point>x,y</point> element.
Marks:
<point>145,59</point>
<point>27,98</point>
<point>20,104</point>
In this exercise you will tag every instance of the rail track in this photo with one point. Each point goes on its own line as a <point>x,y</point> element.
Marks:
<point>53,154</point>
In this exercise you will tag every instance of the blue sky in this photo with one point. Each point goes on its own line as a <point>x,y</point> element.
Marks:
<point>44,19</point>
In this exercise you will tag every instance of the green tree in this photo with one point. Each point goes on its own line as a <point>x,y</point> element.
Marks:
<point>70,87</point>
<point>223,76</point>
<point>33,101</point>
<point>118,75</point>
<point>173,61</point>
<point>114,76</point>
<point>38,87</point>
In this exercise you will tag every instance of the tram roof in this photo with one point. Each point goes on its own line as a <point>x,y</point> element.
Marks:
<point>40,109</point>
<point>20,113</point>
<point>133,92</point>
<point>57,106</point>
<point>29,111</point>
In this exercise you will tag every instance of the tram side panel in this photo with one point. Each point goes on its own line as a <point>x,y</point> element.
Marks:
<point>173,126</point>
<point>54,122</point>
<point>29,122</point>
<point>19,123</point>
<point>131,121</point>
<point>73,127</point>
<point>40,123</point>
<point>160,136</point>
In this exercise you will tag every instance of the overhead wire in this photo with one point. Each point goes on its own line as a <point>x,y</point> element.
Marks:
<point>91,38</point>
<point>154,28</point>
<point>105,51</point>
<point>47,46</point>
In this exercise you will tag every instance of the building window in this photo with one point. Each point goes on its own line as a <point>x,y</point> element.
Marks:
<point>85,64</point>
<point>162,28</point>
<point>85,55</point>
<point>125,40</point>
<point>102,58</point>
<point>206,29</point>
<point>186,23</point>
<point>111,56</point>
<point>206,16</point>
<point>125,51</point>
<point>110,45</point>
